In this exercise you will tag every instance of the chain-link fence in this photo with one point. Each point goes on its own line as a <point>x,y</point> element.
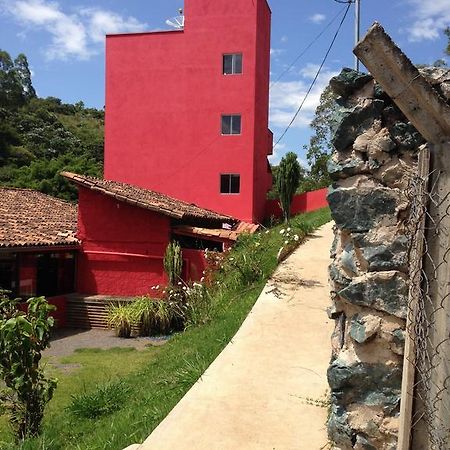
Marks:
<point>428,340</point>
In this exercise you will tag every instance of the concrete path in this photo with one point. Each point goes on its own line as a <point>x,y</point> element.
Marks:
<point>254,395</point>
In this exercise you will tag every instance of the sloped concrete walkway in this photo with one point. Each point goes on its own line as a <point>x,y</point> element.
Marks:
<point>254,395</point>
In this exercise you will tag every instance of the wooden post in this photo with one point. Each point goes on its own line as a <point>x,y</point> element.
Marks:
<point>432,405</point>
<point>415,267</point>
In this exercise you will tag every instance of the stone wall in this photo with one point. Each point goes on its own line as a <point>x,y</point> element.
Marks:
<point>375,155</point>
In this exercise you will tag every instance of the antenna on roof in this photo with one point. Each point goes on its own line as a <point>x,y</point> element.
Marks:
<point>178,21</point>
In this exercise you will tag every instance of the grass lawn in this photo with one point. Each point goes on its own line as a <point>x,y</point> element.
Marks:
<point>157,377</point>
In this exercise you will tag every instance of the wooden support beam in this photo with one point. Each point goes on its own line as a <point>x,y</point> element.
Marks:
<point>415,267</point>
<point>401,80</point>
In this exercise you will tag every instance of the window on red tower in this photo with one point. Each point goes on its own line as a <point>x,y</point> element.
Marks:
<point>232,64</point>
<point>231,124</point>
<point>230,183</point>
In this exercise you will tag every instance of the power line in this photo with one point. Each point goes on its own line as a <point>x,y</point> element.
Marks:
<point>317,74</point>
<point>306,48</point>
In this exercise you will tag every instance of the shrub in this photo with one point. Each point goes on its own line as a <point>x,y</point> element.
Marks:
<point>104,400</point>
<point>173,262</point>
<point>121,318</point>
<point>23,337</point>
<point>244,265</point>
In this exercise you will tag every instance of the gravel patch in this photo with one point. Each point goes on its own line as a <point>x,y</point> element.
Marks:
<point>64,342</point>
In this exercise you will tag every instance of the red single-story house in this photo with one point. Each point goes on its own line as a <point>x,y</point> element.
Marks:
<point>38,246</point>
<point>124,231</point>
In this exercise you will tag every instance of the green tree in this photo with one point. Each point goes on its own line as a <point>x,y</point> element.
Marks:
<point>447,33</point>
<point>288,181</point>
<point>11,92</point>
<point>23,337</point>
<point>320,147</point>
<point>24,74</point>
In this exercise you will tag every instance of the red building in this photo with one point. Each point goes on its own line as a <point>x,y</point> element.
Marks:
<point>38,247</point>
<point>187,110</point>
<point>124,232</point>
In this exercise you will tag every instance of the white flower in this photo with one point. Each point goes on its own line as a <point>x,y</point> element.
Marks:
<point>296,238</point>
<point>267,231</point>
<point>282,231</point>
<point>184,288</point>
<point>202,279</point>
<point>157,287</point>
<point>289,229</point>
<point>179,283</point>
<point>286,242</point>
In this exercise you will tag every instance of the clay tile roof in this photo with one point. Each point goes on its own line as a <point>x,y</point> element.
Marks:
<point>31,219</point>
<point>147,199</point>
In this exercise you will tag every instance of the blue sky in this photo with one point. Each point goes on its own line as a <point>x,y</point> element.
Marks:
<point>64,42</point>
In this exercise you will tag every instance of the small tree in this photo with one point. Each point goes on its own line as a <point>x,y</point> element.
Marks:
<point>288,181</point>
<point>23,337</point>
<point>173,262</point>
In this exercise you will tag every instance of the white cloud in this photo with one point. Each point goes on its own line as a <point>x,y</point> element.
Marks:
<point>429,19</point>
<point>68,33</point>
<point>72,35</point>
<point>317,18</point>
<point>286,97</point>
<point>101,22</point>
<point>276,52</point>
<point>284,39</point>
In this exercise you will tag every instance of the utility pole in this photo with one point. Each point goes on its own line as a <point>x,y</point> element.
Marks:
<point>357,28</point>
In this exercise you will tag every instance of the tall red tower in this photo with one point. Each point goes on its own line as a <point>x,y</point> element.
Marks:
<point>187,110</point>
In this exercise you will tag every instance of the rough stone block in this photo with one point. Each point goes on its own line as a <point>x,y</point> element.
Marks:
<point>383,291</point>
<point>364,327</point>
<point>349,81</point>
<point>369,384</point>
<point>359,210</point>
<point>353,122</point>
<point>383,256</point>
<point>406,135</point>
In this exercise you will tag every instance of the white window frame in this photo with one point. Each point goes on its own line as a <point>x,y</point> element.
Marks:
<point>231,124</point>
<point>233,63</point>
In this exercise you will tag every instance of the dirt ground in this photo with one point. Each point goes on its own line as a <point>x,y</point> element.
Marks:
<point>64,342</point>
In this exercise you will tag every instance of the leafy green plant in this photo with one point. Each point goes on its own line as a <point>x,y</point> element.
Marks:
<point>288,181</point>
<point>244,265</point>
<point>173,262</point>
<point>104,400</point>
<point>23,337</point>
<point>121,317</point>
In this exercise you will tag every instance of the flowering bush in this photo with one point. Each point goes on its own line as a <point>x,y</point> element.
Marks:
<point>291,240</point>
<point>244,267</point>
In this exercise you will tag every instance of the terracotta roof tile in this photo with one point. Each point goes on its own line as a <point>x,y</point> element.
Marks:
<point>147,199</point>
<point>30,218</point>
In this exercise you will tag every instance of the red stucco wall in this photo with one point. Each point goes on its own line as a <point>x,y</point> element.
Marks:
<point>309,201</point>
<point>165,94</point>
<point>111,233</point>
<point>194,263</point>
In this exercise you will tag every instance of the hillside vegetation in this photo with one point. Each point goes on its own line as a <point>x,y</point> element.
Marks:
<point>40,137</point>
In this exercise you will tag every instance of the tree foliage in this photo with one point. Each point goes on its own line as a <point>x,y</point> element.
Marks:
<point>288,181</point>
<point>40,137</point>
<point>23,337</point>
<point>447,33</point>
<point>320,147</point>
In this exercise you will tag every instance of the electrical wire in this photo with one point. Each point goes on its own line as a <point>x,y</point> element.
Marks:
<point>275,82</point>
<point>317,74</point>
